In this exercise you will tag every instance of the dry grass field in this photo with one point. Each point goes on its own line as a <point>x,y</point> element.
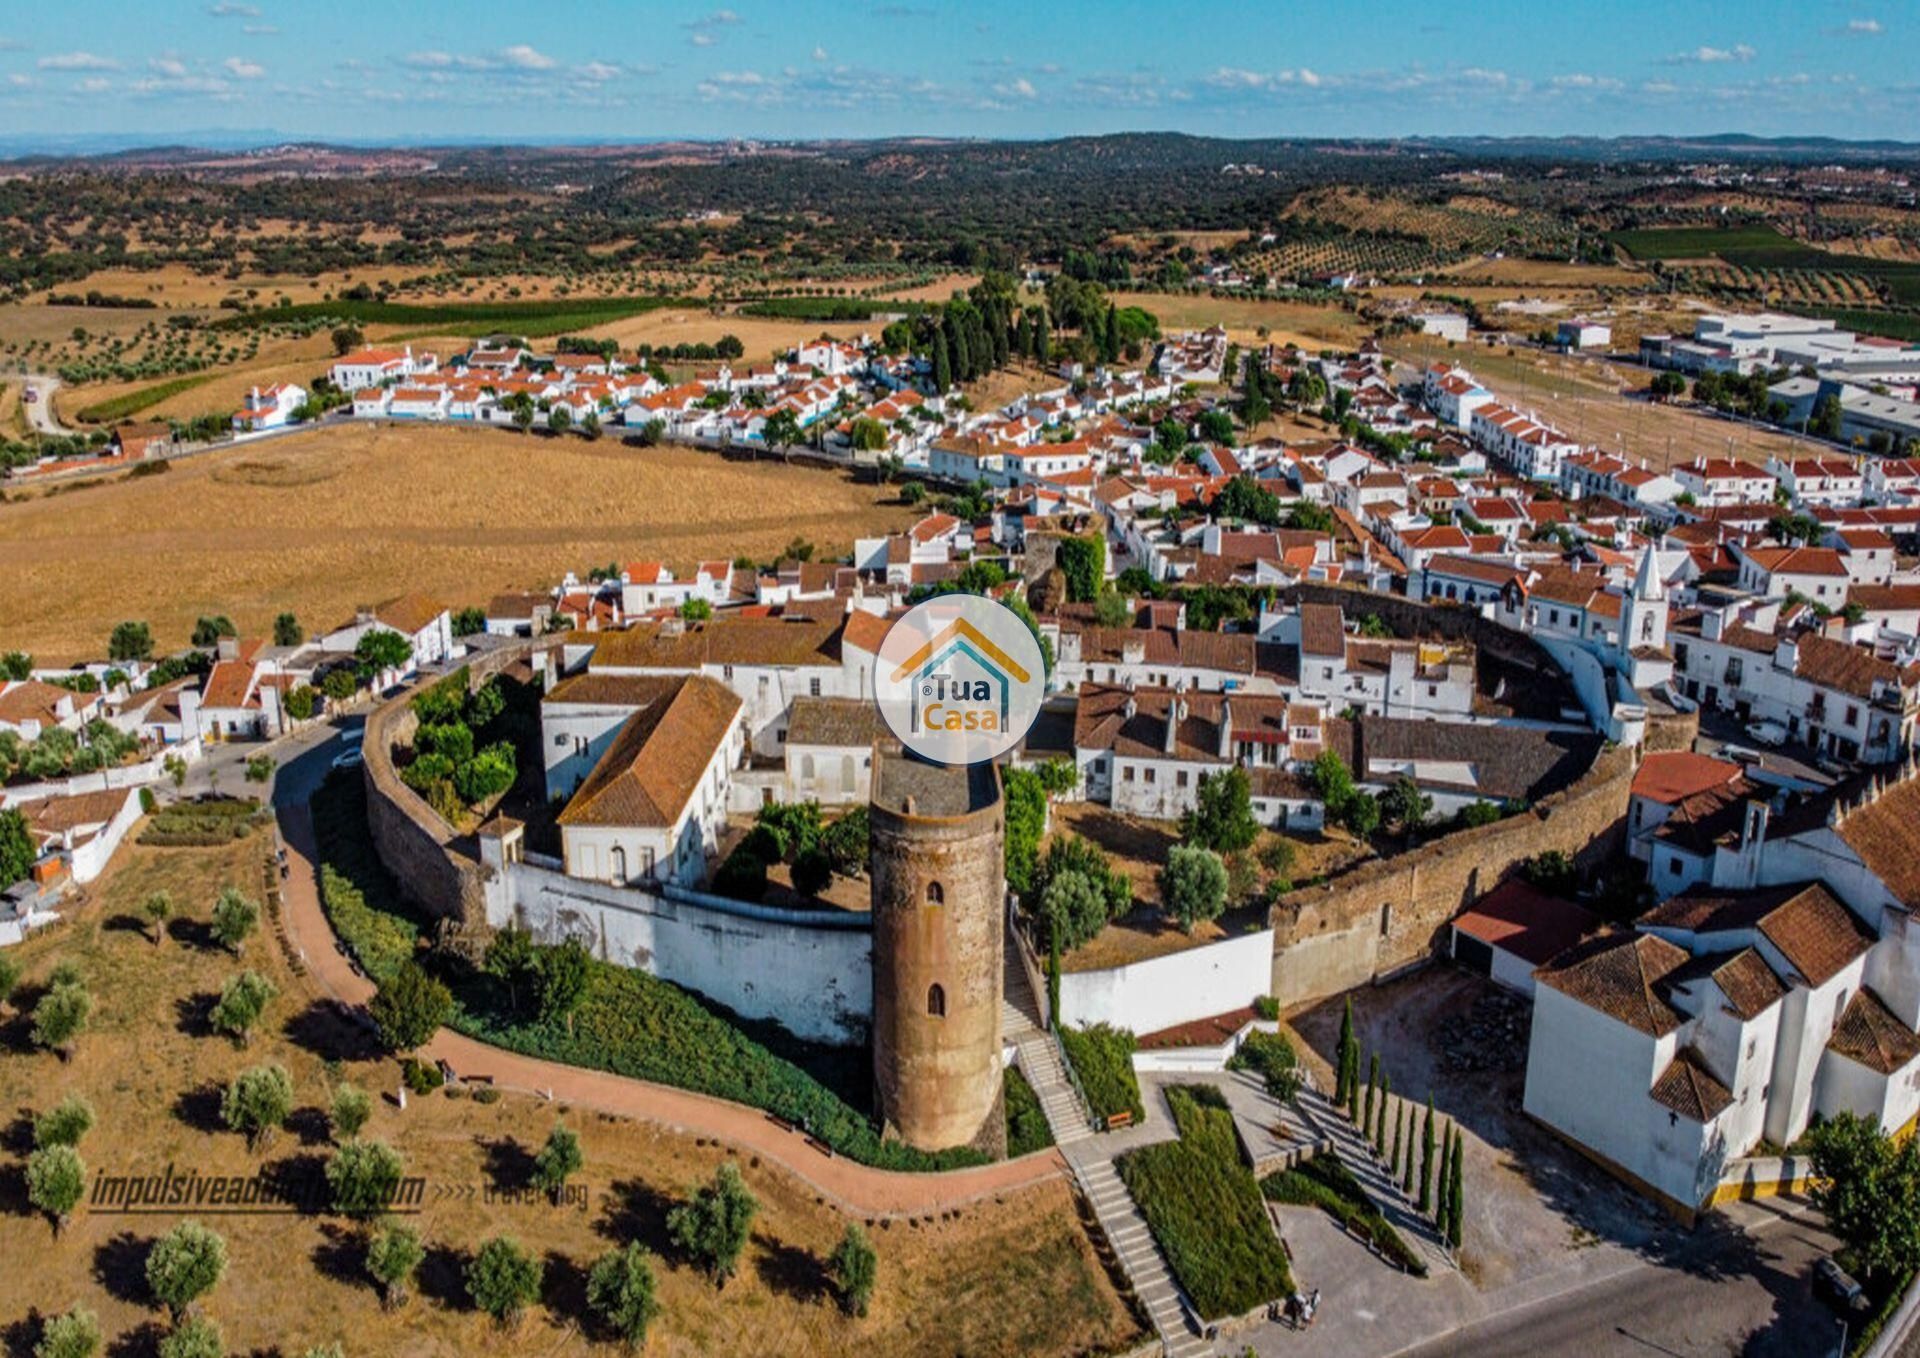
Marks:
<point>175,285</point>
<point>319,522</point>
<point>761,335</point>
<point>297,361</point>
<point>1536,273</point>
<point>1008,1276</point>
<point>1310,327</point>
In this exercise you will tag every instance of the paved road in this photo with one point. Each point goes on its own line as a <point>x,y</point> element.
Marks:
<point>1726,1291</point>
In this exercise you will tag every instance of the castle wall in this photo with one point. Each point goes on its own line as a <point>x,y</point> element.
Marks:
<point>938,1078</point>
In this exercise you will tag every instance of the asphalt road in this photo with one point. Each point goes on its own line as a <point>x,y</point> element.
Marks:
<point>1725,1292</point>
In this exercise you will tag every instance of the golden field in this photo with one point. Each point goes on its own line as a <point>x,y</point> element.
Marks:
<point>358,513</point>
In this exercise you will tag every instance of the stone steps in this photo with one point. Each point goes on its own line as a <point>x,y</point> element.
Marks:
<point>1145,1266</point>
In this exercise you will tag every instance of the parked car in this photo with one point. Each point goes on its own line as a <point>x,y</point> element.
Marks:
<point>1768,733</point>
<point>1837,1289</point>
<point>349,759</point>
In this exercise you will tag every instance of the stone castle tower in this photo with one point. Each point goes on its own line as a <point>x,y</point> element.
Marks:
<point>939,901</point>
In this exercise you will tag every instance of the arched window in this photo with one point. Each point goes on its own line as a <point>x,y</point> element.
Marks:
<point>935,894</point>
<point>619,864</point>
<point>936,1001</point>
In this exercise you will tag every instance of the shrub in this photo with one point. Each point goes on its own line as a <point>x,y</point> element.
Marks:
<point>811,872</point>
<point>1270,1056</point>
<point>242,1001</point>
<point>421,1077</point>
<point>1102,1056</point>
<point>392,1257</point>
<point>1027,1129</point>
<point>742,875</point>
<point>195,1337</point>
<point>349,1111</point>
<point>620,1291</point>
<point>503,1279</point>
<point>208,823</point>
<point>234,918</point>
<point>364,1176</point>
<point>1266,1007</point>
<point>257,1102</point>
<point>714,1226</point>
<point>558,1160</point>
<point>61,1016</point>
<point>1325,1183</point>
<point>409,1007</point>
<point>184,1265</point>
<point>64,1123</point>
<point>56,1178</point>
<point>1193,884</point>
<point>76,1334</point>
<point>1203,1207</point>
<point>853,1266</point>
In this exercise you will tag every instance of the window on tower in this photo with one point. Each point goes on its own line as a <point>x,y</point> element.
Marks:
<point>935,895</point>
<point>936,1001</point>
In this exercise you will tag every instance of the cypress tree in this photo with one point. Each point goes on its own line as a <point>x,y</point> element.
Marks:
<point>1393,1161</point>
<point>1455,1194</point>
<point>962,356</point>
<point>1042,337</point>
<point>1022,341</point>
<point>1343,1054</point>
<point>1442,1190</point>
<point>1426,1159</point>
<point>1406,1169</point>
<point>1380,1115</point>
<point>1373,1086</point>
<point>942,363</point>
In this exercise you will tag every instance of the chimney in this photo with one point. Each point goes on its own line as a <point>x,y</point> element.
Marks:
<point>1226,729</point>
<point>1176,711</point>
<point>1130,708</point>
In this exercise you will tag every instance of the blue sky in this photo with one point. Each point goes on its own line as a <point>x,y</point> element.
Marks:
<point>592,69</point>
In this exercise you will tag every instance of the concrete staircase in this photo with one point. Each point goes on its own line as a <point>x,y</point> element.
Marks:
<point>1146,1268</point>
<point>1356,1153</point>
<point>1040,1060</point>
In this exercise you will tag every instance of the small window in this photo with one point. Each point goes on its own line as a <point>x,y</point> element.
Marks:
<point>936,895</point>
<point>1180,778</point>
<point>936,1001</point>
<point>1386,919</point>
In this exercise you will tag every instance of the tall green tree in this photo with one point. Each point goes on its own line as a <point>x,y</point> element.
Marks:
<point>409,1007</point>
<point>17,850</point>
<point>1373,1087</point>
<point>503,1279</point>
<point>1380,1114</point>
<point>1341,1052</point>
<point>714,1226</point>
<point>854,1265</point>
<point>184,1265</point>
<point>621,1292</point>
<point>1456,1198</point>
<point>1222,817</point>
<point>1869,1189</point>
<point>1426,1159</point>
<point>393,1256</point>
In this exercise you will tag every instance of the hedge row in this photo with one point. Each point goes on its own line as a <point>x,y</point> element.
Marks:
<point>1102,1056</point>
<point>1203,1206</point>
<point>1027,1129</point>
<point>1325,1183</point>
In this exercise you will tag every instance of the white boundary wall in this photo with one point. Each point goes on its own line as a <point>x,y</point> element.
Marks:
<point>1180,987</point>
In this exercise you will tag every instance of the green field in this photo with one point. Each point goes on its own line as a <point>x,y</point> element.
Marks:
<point>1757,247</point>
<point>554,316</point>
<point>827,308</point>
<point>133,402</point>
<point>1900,325</point>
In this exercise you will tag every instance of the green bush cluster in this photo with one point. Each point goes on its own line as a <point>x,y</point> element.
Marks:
<point>1325,1183</point>
<point>1027,1129</point>
<point>1203,1206</point>
<point>1102,1056</point>
<point>1273,1059</point>
<point>205,824</point>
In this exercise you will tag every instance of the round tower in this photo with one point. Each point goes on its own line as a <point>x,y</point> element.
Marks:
<point>939,893</point>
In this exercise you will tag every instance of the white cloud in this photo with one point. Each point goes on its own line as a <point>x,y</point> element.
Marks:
<point>78,61</point>
<point>259,30</point>
<point>701,32</point>
<point>170,66</point>
<point>524,58</point>
<point>242,69</point>
<point>1238,78</point>
<point>1863,28</point>
<point>227,9</point>
<point>598,70</point>
<point>1711,56</point>
<point>1580,80</point>
<point>1017,89</point>
<point>19,80</point>
<point>702,39</point>
<point>94,84</point>
<point>819,54</point>
<point>427,61</point>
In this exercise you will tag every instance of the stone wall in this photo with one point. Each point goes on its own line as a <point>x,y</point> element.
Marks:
<point>1387,914</point>
<point>436,867</point>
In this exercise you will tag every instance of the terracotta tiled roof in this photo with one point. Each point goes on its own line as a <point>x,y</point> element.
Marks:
<point>33,700</point>
<point>1869,1033</point>
<point>1672,775</point>
<point>1504,761</point>
<point>865,631</point>
<point>725,640</point>
<point>1322,630</point>
<point>1885,833</point>
<point>655,763</point>
<point>1743,977</point>
<point>1688,1088</point>
<point>229,684</point>
<point>834,721</point>
<point>1519,918</point>
<point>410,612</point>
<point>1811,929</point>
<point>600,689</point>
<point>1620,975</point>
<point>58,815</point>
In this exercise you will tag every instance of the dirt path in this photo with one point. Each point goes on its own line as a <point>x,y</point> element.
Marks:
<point>857,1189</point>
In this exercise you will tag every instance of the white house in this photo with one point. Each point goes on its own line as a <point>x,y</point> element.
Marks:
<point>377,367</point>
<point>269,407</point>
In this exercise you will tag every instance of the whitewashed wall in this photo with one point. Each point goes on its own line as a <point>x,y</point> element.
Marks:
<point>812,972</point>
<point>1161,992</point>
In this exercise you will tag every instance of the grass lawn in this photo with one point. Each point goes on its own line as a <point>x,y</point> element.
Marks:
<point>1205,1210</point>
<point>1008,1276</point>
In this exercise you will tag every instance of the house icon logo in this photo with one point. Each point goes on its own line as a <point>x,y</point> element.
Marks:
<point>960,679</point>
